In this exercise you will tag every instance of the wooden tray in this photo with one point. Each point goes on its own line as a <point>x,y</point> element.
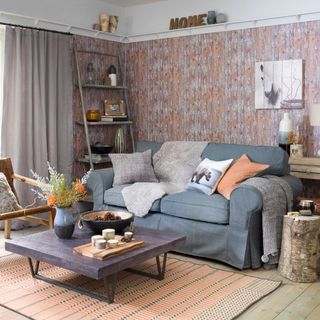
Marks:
<point>102,254</point>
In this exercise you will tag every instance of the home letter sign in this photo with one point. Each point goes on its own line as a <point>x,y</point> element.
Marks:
<point>187,22</point>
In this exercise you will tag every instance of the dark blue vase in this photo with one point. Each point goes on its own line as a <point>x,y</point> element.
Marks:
<point>211,18</point>
<point>64,223</point>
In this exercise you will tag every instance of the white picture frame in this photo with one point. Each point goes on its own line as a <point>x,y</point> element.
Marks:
<point>279,84</point>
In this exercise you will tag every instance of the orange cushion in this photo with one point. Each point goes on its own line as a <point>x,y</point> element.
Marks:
<point>241,170</point>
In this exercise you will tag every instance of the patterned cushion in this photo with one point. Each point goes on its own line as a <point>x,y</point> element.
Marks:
<point>8,201</point>
<point>207,175</point>
<point>132,167</point>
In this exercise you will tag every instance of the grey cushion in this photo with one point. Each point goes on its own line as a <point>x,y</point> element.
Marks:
<point>197,206</point>
<point>276,157</point>
<point>132,167</point>
<point>8,201</point>
<point>113,197</point>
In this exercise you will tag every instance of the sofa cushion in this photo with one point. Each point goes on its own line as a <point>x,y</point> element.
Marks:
<point>132,167</point>
<point>207,176</point>
<point>276,157</point>
<point>241,170</point>
<point>113,197</point>
<point>197,206</point>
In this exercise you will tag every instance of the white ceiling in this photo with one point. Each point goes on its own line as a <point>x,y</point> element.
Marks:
<point>129,3</point>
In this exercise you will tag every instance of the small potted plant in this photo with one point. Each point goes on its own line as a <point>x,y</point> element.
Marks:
<point>296,146</point>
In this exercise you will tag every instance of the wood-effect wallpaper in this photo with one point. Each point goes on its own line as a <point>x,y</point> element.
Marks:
<point>202,87</point>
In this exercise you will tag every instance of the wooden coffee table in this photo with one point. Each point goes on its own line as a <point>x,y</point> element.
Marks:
<point>46,247</point>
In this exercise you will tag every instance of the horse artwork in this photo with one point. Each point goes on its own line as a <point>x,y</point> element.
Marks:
<point>279,84</point>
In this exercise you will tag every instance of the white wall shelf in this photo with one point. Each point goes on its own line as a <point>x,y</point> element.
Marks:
<point>17,19</point>
<point>12,18</point>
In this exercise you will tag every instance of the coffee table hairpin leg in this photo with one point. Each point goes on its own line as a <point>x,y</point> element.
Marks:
<point>161,269</point>
<point>109,284</point>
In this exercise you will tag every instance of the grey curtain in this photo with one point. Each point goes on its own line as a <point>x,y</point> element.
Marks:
<point>37,108</point>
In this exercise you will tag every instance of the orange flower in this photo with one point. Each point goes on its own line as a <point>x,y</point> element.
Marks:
<point>52,200</point>
<point>295,138</point>
<point>80,187</point>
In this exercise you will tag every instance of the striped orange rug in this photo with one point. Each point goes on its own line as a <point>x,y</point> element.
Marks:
<point>189,291</point>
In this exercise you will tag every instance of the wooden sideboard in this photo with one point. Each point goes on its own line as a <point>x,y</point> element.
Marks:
<point>305,168</point>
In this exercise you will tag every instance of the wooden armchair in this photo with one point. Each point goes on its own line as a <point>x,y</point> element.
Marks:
<point>23,214</point>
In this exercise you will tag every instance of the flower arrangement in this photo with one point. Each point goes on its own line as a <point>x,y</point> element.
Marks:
<point>295,138</point>
<point>57,192</point>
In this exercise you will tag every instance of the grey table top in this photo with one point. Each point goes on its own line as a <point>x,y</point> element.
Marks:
<point>46,247</point>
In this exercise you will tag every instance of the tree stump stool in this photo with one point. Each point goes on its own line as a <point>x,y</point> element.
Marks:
<point>300,248</point>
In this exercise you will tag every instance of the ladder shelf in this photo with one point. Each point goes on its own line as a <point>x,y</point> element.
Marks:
<point>86,86</point>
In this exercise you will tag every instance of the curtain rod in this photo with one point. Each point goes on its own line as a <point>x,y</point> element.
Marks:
<point>34,28</point>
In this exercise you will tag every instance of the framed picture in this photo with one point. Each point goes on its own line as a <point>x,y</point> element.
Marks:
<point>114,108</point>
<point>279,84</point>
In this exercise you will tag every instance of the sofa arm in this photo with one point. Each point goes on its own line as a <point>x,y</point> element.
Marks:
<point>245,225</point>
<point>99,181</point>
<point>245,201</point>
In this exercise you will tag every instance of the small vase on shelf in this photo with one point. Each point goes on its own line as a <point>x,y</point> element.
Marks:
<point>120,141</point>
<point>64,223</point>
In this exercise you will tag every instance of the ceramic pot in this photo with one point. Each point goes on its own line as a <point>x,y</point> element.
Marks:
<point>64,223</point>
<point>104,22</point>
<point>113,24</point>
<point>296,150</point>
<point>120,141</point>
<point>221,18</point>
<point>307,205</point>
<point>93,115</point>
<point>285,127</point>
<point>211,17</point>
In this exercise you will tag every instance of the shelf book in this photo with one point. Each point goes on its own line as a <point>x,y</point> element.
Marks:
<point>114,118</point>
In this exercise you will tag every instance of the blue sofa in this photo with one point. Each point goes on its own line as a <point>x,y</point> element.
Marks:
<point>216,228</point>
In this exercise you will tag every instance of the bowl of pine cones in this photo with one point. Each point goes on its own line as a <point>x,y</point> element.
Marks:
<point>99,220</point>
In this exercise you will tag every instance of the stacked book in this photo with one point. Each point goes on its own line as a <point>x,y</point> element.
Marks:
<point>97,157</point>
<point>114,118</point>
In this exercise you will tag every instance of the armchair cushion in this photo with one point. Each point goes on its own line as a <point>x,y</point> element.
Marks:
<point>8,201</point>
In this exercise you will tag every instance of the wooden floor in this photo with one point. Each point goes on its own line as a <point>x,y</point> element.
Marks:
<point>292,301</point>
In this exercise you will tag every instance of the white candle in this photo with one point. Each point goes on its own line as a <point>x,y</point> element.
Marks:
<point>108,234</point>
<point>95,238</point>
<point>128,235</point>
<point>112,243</point>
<point>113,78</point>
<point>101,244</point>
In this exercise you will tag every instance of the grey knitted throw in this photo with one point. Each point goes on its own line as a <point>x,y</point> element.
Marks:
<point>173,164</point>
<point>277,200</point>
